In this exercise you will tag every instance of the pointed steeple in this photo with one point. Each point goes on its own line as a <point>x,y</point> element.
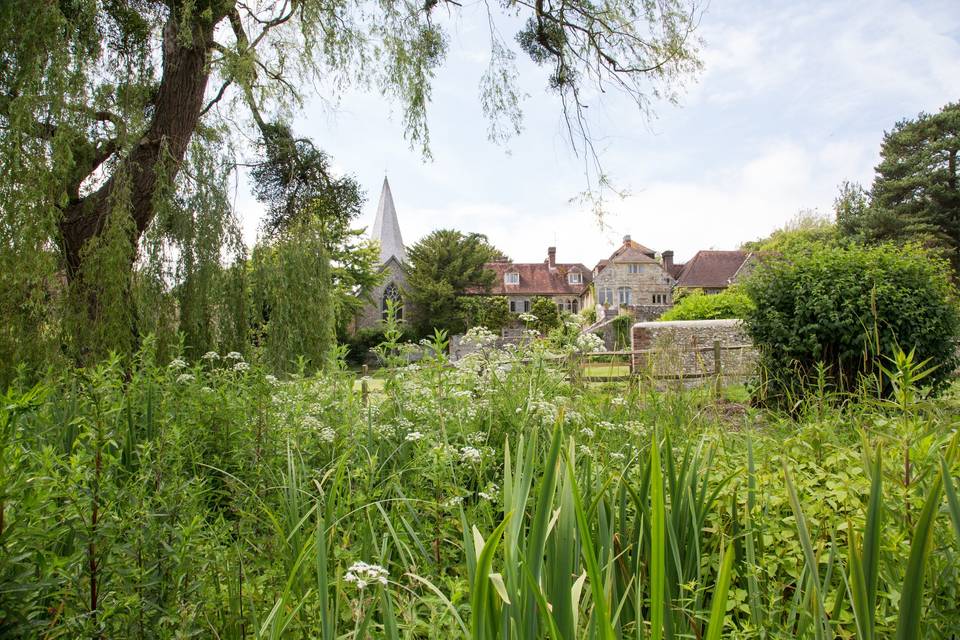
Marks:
<point>386,228</point>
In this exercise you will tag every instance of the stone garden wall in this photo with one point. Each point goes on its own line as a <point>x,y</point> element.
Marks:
<point>685,349</point>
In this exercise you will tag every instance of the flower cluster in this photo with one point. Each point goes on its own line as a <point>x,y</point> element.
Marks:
<point>589,343</point>
<point>362,574</point>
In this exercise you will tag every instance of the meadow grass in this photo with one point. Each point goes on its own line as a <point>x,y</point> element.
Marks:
<point>491,498</point>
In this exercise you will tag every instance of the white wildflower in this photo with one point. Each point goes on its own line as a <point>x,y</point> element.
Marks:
<point>234,355</point>
<point>413,436</point>
<point>587,432</point>
<point>616,455</point>
<point>184,378</point>
<point>619,402</point>
<point>241,366</point>
<point>454,501</point>
<point>470,454</point>
<point>270,379</point>
<point>206,390</point>
<point>327,435</point>
<point>589,343</point>
<point>177,363</point>
<point>211,356</point>
<point>480,336</point>
<point>362,574</point>
<point>528,317</point>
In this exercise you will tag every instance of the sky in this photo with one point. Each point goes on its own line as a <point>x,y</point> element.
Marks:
<point>793,99</point>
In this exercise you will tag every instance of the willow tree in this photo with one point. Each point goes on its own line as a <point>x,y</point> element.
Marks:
<point>99,101</point>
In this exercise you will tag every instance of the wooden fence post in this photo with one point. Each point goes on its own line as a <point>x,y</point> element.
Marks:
<point>717,366</point>
<point>364,389</point>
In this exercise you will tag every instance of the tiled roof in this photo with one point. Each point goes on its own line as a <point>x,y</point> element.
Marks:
<point>676,270</point>
<point>629,251</point>
<point>538,279</point>
<point>711,269</point>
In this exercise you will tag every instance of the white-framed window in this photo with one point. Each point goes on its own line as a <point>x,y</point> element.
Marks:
<point>513,306</point>
<point>606,296</point>
<point>659,298</point>
<point>574,277</point>
<point>625,295</point>
<point>634,267</point>
<point>511,278</point>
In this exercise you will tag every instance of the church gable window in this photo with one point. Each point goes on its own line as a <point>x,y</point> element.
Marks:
<point>392,292</point>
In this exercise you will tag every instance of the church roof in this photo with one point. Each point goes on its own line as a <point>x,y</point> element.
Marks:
<point>386,228</point>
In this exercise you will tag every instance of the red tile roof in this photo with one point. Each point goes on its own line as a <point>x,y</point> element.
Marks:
<point>711,269</point>
<point>538,279</point>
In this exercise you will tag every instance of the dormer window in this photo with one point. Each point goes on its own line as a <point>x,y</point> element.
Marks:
<point>634,267</point>
<point>511,278</point>
<point>574,277</point>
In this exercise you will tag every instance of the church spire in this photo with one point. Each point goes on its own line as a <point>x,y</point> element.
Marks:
<point>386,228</point>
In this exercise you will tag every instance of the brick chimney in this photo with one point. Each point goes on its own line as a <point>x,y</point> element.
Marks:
<point>626,239</point>
<point>668,261</point>
<point>551,257</point>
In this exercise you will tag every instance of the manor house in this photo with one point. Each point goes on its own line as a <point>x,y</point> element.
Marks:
<point>633,279</point>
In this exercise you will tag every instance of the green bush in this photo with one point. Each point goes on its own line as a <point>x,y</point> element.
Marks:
<point>849,308</point>
<point>696,305</point>
<point>547,314</point>
<point>361,342</point>
<point>492,312</point>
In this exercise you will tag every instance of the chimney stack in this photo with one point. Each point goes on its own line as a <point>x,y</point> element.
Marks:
<point>551,257</point>
<point>668,261</point>
<point>626,239</point>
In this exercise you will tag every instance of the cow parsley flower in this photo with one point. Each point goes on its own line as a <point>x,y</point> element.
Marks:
<point>470,454</point>
<point>234,355</point>
<point>177,363</point>
<point>413,436</point>
<point>528,317</point>
<point>362,574</point>
<point>211,356</point>
<point>270,379</point>
<point>327,435</point>
<point>184,378</point>
<point>241,366</point>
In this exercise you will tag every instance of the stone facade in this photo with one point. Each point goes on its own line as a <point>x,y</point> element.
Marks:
<point>373,314</point>
<point>685,348</point>
<point>633,278</point>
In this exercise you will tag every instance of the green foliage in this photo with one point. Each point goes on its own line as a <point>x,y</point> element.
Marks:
<point>169,499</point>
<point>441,268</point>
<point>546,314</point>
<point>492,312</point>
<point>696,305</point>
<point>847,308</point>
<point>622,325</point>
<point>806,231</point>
<point>915,196</point>
<point>293,299</point>
<point>362,342</point>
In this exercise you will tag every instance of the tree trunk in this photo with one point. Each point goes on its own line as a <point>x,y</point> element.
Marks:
<point>176,113</point>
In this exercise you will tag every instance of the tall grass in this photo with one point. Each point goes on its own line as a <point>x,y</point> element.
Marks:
<point>500,500</point>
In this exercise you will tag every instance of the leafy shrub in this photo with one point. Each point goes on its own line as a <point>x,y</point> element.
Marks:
<point>492,312</point>
<point>847,308</point>
<point>361,342</point>
<point>621,325</point>
<point>696,305</point>
<point>547,314</point>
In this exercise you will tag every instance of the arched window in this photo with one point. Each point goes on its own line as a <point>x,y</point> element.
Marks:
<point>392,292</point>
